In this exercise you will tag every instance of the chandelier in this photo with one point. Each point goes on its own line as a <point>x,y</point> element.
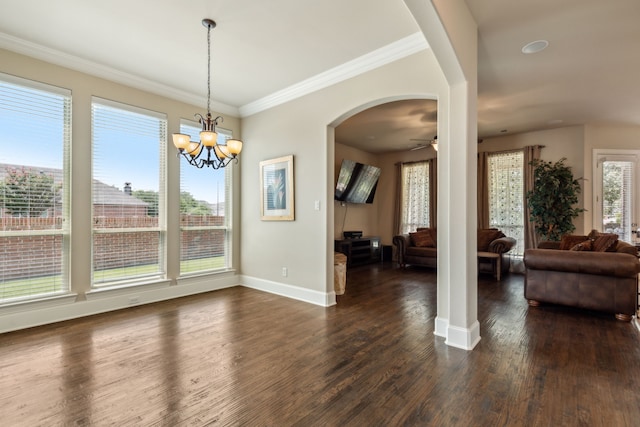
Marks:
<point>217,155</point>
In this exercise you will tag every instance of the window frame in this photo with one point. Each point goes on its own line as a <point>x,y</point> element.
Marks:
<point>406,226</point>
<point>64,231</point>
<point>186,126</point>
<point>160,228</point>
<point>507,228</point>
<point>599,157</point>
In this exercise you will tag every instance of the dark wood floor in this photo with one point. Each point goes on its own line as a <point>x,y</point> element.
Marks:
<point>243,357</point>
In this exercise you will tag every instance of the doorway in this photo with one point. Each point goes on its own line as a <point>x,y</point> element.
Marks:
<point>615,201</point>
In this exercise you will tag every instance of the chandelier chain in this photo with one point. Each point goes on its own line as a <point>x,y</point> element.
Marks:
<point>208,69</point>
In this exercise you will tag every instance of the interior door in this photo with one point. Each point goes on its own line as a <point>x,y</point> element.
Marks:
<point>616,192</point>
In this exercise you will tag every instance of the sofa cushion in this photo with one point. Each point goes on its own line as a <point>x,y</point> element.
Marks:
<point>605,243</point>
<point>586,245</point>
<point>599,263</point>
<point>422,239</point>
<point>626,248</point>
<point>486,236</point>
<point>569,241</point>
<point>421,252</point>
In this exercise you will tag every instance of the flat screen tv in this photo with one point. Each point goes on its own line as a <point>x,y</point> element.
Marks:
<point>357,182</point>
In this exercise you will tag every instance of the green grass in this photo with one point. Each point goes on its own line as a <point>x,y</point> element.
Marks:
<point>53,284</point>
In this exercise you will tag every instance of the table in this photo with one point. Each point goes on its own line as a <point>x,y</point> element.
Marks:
<point>496,262</point>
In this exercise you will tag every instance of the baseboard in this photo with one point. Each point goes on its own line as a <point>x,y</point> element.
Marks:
<point>440,327</point>
<point>464,338</point>
<point>324,299</point>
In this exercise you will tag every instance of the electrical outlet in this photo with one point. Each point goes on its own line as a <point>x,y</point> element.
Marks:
<point>134,300</point>
<point>284,272</point>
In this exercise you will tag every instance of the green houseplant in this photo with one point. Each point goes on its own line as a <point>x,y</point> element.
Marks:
<point>552,200</point>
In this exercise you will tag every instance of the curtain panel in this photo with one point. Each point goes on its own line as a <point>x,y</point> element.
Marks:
<point>416,195</point>
<point>531,153</point>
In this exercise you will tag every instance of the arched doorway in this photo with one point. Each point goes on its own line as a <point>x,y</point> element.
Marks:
<point>380,133</point>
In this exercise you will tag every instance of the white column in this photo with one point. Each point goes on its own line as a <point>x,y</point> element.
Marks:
<point>452,34</point>
<point>463,329</point>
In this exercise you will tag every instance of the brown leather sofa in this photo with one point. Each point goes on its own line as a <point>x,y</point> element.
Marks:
<point>491,242</point>
<point>601,281</point>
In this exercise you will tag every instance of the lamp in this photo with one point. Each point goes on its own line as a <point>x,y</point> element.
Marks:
<point>218,155</point>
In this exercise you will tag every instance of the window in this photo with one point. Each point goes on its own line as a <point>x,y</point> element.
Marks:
<point>204,212</point>
<point>128,193</point>
<point>506,195</point>
<point>36,121</point>
<point>415,196</point>
<point>615,200</point>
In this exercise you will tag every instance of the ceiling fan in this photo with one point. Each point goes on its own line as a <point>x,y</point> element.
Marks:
<point>433,142</point>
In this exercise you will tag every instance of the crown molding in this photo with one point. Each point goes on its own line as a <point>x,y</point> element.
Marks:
<point>379,57</point>
<point>375,59</point>
<point>62,59</point>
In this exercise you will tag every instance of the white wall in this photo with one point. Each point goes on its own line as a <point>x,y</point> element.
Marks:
<point>300,127</point>
<point>387,187</point>
<point>604,137</point>
<point>576,144</point>
<point>566,142</point>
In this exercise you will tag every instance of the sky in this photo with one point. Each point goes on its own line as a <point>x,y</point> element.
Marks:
<point>128,154</point>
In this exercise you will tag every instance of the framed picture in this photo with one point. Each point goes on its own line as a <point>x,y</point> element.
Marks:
<point>276,189</point>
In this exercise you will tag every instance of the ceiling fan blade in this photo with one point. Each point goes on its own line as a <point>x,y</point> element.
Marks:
<point>418,147</point>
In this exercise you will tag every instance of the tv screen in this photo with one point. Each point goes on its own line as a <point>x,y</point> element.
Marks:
<point>357,182</point>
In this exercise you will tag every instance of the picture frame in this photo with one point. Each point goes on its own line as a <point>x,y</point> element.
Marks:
<point>277,189</point>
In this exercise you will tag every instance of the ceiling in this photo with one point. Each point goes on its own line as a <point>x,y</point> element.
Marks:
<point>266,52</point>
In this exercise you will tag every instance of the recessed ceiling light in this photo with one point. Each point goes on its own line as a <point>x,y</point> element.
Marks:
<point>535,47</point>
<point>504,131</point>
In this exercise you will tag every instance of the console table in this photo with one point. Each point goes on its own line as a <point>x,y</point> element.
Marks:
<point>363,250</point>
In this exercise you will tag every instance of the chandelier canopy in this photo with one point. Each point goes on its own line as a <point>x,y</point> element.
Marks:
<point>218,155</point>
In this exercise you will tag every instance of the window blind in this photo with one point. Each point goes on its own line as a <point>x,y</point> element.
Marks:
<point>205,210</point>
<point>34,179</point>
<point>617,198</point>
<point>415,196</point>
<point>128,193</point>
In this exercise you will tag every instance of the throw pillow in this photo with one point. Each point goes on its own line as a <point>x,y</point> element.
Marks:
<point>593,234</point>
<point>605,243</point>
<point>434,236</point>
<point>422,239</point>
<point>433,232</point>
<point>587,245</point>
<point>486,236</point>
<point>568,241</point>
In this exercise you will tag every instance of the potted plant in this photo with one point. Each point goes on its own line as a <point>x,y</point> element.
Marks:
<point>552,200</point>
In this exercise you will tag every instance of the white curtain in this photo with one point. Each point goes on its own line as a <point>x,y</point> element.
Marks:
<point>506,187</point>
<point>414,196</point>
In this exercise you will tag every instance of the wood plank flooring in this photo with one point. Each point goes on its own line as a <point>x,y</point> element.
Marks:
<point>246,358</point>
